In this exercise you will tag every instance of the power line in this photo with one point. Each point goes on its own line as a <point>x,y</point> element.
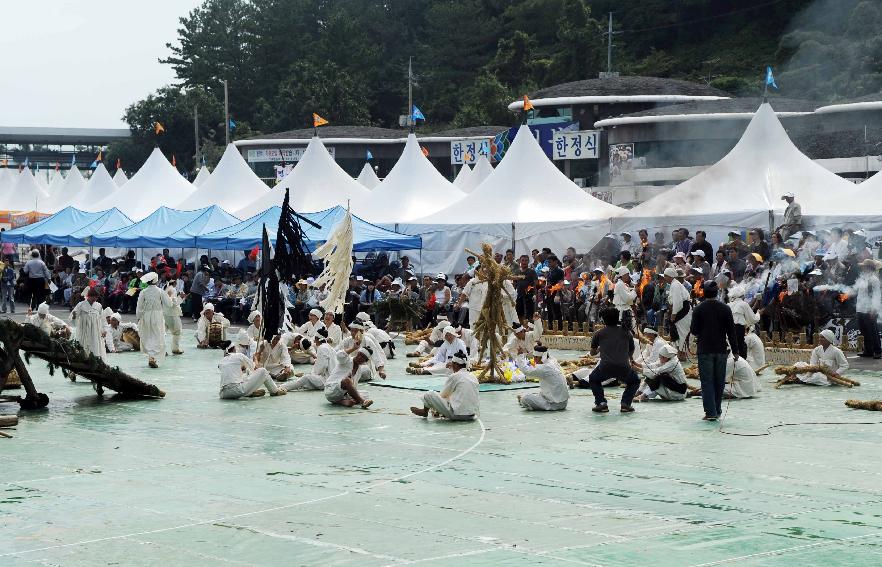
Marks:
<point>705,19</point>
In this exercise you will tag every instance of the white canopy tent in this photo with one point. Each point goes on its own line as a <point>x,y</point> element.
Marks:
<point>232,185</point>
<point>156,184</point>
<point>413,189</point>
<point>744,188</point>
<point>316,183</point>
<point>60,195</point>
<point>25,194</point>
<point>481,171</point>
<point>368,177</point>
<point>860,208</point>
<point>463,179</point>
<point>120,178</point>
<point>526,203</point>
<point>98,188</point>
<point>204,175</point>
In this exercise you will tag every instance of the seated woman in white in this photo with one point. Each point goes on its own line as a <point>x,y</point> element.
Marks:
<point>826,355</point>
<point>741,380</point>
<point>553,391</point>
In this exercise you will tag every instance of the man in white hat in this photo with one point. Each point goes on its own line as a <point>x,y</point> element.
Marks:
<point>150,312</point>
<point>113,334</point>
<point>438,364</point>
<point>700,262</point>
<point>90,325</point>
<point>664,379</point>
<point>458,400</point>
<point>742,381</point>
<point>254,330</point>
<point>107,313</point>
<point>313,323</point>
<point>756,350</point>
<point>275,358</point>
<point>206,319</point>
<point>650,352</point>
<point>471,298</point>
<point>680,306</point>
<point>427,347</point>
<point>341,387</point>
<point>335,332</point>
<point>324,361</point>
<point>47,322</point>
<point>521,340</point>
<point>826,355</point>
<point>241,377</point>
<point>376,367</point>
<point>792,217</point>
<point>381,337</point>
<point>172,314</point>
<point>243,344</point>
<point>742,314</point>
<point>553,391</point>
<point>867,305</point>
<point>624,295</point>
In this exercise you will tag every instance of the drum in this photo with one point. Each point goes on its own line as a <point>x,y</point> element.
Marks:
<point>132,337</point>
<point>12,380</point>
<point>216,334</point>
<point>61,333</point>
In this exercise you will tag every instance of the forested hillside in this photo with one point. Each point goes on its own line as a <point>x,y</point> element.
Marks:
<point>347,59</point>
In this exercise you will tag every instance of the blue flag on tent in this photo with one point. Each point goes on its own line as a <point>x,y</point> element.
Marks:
<point>203,161</point>
<point>368,155</point>
<point>73,160</point>
<point>232,124</point>
<point>26,162</point>
<point>770,78</point>
<point>417,114</point>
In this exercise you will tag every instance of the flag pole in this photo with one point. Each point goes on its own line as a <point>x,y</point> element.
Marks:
<point>226,112</point>
<point>196,131</point>
<point>410,120</point>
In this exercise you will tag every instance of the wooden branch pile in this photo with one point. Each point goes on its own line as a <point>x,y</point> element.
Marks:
<point>790,375</point>
<point>870,405</point>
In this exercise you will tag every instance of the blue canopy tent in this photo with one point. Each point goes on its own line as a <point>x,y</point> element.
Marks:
<point>166,228</point>
<point>248,233</point>
<point>68,227</point>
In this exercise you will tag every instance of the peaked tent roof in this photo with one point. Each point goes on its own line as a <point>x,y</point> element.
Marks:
<point>366,236</point>
<point>167,227</point>
<point>413,189</point>
<point>23,195</point>
<point>751,178</point>
<point>68,227</point>
<point>368,177</point>
<point>70,189</point>
<point>155,185</point>
<point>204,175</point>
<point>120,178</point>
<point>481,171</point>
<point>316,183</point>
<point>99,187</point>
<point>526,187</point>
<point>463,179</point>
<point>55,189</point>
<point>232,185</point>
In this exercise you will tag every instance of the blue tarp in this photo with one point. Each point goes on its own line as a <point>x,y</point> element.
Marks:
<point>248,233</point>
<point>167,228</point>
<point>68,227</point>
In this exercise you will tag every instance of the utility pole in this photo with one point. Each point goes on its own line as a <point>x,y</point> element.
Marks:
<point>226,112</point>
<point>410,93</point>
<point>196,131</point>
<point>609,36</point>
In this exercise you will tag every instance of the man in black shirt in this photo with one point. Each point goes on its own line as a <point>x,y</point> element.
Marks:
<point>712,326</point>
<point>616,347</point>
<point>554,277</point>
<point>525,287</point>
<point>701,243</point>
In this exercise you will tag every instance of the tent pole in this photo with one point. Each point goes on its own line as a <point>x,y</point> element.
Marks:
<point>513,239</point>
<point>771,222</point>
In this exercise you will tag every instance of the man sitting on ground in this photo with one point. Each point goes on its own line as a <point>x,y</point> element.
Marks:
<point>241,377</point>
<point>438,364</point>
<point>664,379</point>
<point>341,387</point>
<point>458,400</point>
<point>205,338</point>
<point>553,389</point>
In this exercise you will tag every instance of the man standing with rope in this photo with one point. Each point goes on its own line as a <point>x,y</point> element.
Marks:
<point>712,325</point>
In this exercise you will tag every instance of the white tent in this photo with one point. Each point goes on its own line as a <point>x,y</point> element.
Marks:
<point>527,202</point>
<point>120,178</point>
<point>413,189</point>
<point>203,175</point>
<point>70,189</point>
<point>232,185</point>
<point>24,195</point>
<point>368,177</point>
<point>156,184</point>
<point>481,171</point>
<point>42,181</point>
<point>99,187</point>
<point>744,188</point>
<point>316,183</point>
<point>55,187</point>
<point>463,179</point>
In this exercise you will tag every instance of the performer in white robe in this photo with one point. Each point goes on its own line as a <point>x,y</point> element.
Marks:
<point>324,360</point>
<point>741,380</point>
<point>553,389</point>
<point>241,378</point>
<point>314,323</point>
<point>680,301</point>
<point>113,334</point>
<point>475,292</point>
<point>458,400</point>
<point>663,378</point>
<point>172,315</point>
<point>756,351</point>
<point>376,367</point>
<point>651,351</point>
<point>107,313</point>
<point>204,323</point>
<point>742,315</point>
<point>521,340</point>
<point>380,336</point>
<point>827,355</point>
<point>426,347</point>
<point>438,364</point>
<point>624,295</point>
<point>473,347</point>
<point>335,332</point>
<point>90,324</point>
<point>150,309</point>
<point>254,327</point>
<point>341,387</point>
<point>274,356</point>
<point>46,321</point>
<point>243,344</point>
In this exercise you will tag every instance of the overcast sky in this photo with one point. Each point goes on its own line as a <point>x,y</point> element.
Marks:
<point>79,63</point>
